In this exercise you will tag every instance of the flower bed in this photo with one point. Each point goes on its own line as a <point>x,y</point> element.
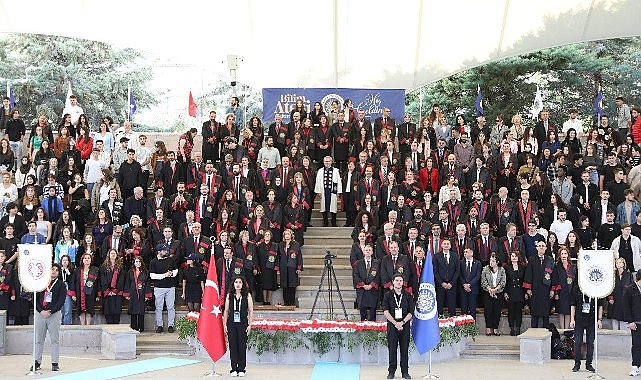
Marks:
<point>322,336</point>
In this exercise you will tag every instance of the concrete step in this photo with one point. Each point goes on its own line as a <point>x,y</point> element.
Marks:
<point>150,343</point>
<point>311,290</point>
<point>314,279</point>
<point>323,303</point>
<point>340,250</point>
<point>317,214</point>
<point>319,258</point>
<point>329,231</point>
<point>318,220</point>
<point>329,240</point>
<point>491,354</point>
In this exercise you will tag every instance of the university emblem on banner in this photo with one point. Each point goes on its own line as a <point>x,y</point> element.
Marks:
<point>34,266</point>
<point>596,272</point>
<point>426,302</point>
<point>327,101</point>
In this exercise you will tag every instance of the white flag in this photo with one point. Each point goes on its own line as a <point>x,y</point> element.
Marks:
<point>34,266</point>
<point>69,93</point>
<point>537,107</point>
<point>596,272</point>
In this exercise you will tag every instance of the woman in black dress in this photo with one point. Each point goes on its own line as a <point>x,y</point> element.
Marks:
<point>268,263</point>
<point>193,283</point>
<point>112,284</point>
<point>274,214</point>
<point>514,292</point>
<point>85,289</point>
<point>622,281</point>
<point>137,292</point>
<point>364,223</point>
<point>565,278</point>
<point>257,225</point>
<point>80,204</point>
<point>246,251</point>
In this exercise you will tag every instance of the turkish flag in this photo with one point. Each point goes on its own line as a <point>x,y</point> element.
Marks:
<point>210,323</point>
<point>193,108</point>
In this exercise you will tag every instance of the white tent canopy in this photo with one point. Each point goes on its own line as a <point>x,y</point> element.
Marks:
<point>330,43</point>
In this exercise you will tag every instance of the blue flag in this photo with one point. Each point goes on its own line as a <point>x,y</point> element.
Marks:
<point>479,101</point>
<point>598,104</point>
<point>12,99</point>
<point>132,105</point>
<point>425,324</point>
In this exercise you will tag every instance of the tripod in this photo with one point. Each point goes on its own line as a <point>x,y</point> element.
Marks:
<point>328,271</point>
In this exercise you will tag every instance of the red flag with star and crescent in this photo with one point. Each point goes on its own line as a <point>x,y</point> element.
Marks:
<point>210,322</point>
<point>193,108</point>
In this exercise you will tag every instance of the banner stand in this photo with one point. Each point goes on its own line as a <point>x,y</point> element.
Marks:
<point>430,375</point>
<point>33,353</point>
<point>596,375</point>
<point>213,371</point>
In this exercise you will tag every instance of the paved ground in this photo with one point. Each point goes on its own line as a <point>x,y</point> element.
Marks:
<point>16,366</point>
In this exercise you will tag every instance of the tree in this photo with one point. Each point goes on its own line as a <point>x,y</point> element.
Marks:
<point>40,68</point>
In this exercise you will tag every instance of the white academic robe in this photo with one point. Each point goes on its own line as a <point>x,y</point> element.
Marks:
<point>320,189</point>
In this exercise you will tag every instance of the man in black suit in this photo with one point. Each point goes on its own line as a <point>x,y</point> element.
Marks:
<point>470,272</point>
<point>408,247</point>
<point>385,121</point>
<point>446,277</point>
<point>588,190</point>
<point>392,264</point>
<point>114,241</point>
<point>485,245</point>
<point>632,314</point>
<point>237,183</point>
<point>366,277</point>
<point>460,241</point>
<point>136,205</point>
<point>204,207</point>
<point>509,244</point>
<point>406,134</point>
<point>155,227</point>
<point>599,210</point>
<point>211,146</point>
<point>19,224</point>
<point>170,175</point>
<point>285,172</point>
<point>361,122</point>
<point>158,201</point>
<point>543,127</point>
<point>197,244</point>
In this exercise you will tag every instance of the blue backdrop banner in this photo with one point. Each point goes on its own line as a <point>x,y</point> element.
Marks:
<point>282,101</point>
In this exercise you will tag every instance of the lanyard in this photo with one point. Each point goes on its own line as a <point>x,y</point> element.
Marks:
<point>398,300</point>
<point>51,286</point>
<point>237,303</point>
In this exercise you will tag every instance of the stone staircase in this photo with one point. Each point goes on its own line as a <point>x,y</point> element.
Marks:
<point>492,347</point>
<point>338,242</point>
<point>150,343</point>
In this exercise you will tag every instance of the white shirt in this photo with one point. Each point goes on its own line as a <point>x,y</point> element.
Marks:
<point>75,112</point>
<point>561,229</point>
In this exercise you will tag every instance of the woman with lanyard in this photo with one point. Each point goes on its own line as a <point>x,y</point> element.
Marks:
<point>239,310</point>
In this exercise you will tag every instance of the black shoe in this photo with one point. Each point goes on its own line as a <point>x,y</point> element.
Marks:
<point>390,375</point>
<point>159,329</point>
<point>37,367</point>
<point>407,376</point>
<point>170,329</point>
<point>517,331</point>
<point>54,367</point>
<point>576,368</point>
<point>590,368</point>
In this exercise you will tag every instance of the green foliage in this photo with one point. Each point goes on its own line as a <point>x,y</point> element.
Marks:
<point>40,68</point>
<point>324,342</point>
<point>276,342</point>
<point>451,335</point>
<point>186,328</point>
<point>368,339</point>
<point>568,77</point>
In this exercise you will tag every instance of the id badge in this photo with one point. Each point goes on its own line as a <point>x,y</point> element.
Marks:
<point>586,308</point>
<point>48,297</point>
<point>398,313</point>
<point>236,316</point>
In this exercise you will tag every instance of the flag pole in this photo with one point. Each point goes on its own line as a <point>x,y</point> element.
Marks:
<point>128,100</point>
<point>33,355</point>
<point>430,375</point>
<point>596,375</point>
<point>213,371</point>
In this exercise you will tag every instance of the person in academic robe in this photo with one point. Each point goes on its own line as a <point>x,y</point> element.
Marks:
<point>211,145</point>
<point>85,289</point>
<point>137,292</point>
<point>246,251</point>
<point>470,279</point>
<point>514,292</point>
<point>366,277</point>
<point>294,217</point>
<point>291,265</point>
<point>268,266</point>
<point>112,284</point>
<point>493,285</point>
<point>539,285</point>
<point>394,263</point>
<point>329,186</point>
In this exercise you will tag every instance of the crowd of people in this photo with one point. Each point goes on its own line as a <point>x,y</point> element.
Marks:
<point>502,210</point>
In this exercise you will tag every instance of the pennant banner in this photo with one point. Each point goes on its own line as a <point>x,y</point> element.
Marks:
<point>596,272</point>
<point>34,266</point>
<point>425,328</point>
<point>210,323</point>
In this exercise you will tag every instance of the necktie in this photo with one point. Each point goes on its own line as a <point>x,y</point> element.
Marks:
<point>284,176</point>
<point>469,266</point>
<point>436,246</point>
<point>389,240</point>
<point>115,243</point>
<point>510,243</point>
<point>384,172</point>
<point>367,266</point>
<point>195,244</point>
<point>394,261</point>
<point>412,248</point>
<point>237,187</point>
<point>447,258</point>
<point>209,181</point>
<point>472,226</point>
<point>203,205</point>
<point>228,264</point>
<point>541,257</point>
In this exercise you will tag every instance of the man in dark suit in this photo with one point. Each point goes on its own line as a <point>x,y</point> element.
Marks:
<point>408,248</point>
<point>406,134</point>
<point>460,241</point>
<point>158,201</point>
<point>451,168</point>
<point>385,121</point>
<point>246,209</point>
<point>485,245</point>
<point>19,224</point>
<point>509,244</point>
<point>501,212</point>
<point>368,185</point>
<point>446,277</point>
<point>588,190</point>
<point>285,172</point>
<point>539,282</point>
<point>632,314</point>
<point>204,209</point>
<point>480,173</point>
<point>136,205</point>
<point>279,131</point>
<point>543,127</point>
<point>197,244</point>
<point>440,154</point>
<point>361,122</point>
<point>600,208</point>
<point>170,175</point>
<point>114,241</point>
<point>155,227</point>
<point>525,211</point>
<point>366,277</point>
<point>350,181</point>
<point>211,146</point>
<point>395,263</point>
<point>383,243</point>
<point>470,272</point>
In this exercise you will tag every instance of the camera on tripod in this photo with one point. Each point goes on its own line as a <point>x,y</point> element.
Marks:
<point>328,257</point>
